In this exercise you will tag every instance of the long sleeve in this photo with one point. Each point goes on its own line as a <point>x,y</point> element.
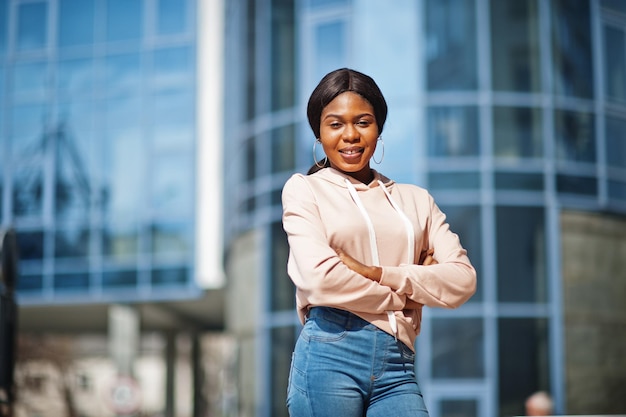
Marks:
<point>447,284</point>
<point>316,270</point>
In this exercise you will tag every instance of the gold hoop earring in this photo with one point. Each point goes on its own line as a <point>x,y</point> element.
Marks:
<point>380,138</point>
<point>314,157</point>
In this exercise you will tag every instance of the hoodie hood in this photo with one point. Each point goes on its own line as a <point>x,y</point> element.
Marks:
<point>339,178</point>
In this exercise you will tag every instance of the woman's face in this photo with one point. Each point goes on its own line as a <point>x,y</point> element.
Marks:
<point>349,132</point>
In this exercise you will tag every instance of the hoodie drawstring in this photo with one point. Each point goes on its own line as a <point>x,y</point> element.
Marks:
<point>372,237</point>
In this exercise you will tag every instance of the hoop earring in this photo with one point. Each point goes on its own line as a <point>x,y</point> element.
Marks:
<point>380,138</point>
<point>314,158</point>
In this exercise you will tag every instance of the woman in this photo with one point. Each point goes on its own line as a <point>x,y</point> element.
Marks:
<point>366,254</point>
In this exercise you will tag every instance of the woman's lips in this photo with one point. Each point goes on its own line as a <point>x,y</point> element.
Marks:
<point>351,154</point>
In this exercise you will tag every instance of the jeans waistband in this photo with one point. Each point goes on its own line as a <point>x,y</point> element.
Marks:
<point>344,318</point>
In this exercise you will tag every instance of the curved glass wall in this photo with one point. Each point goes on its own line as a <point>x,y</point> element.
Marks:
<point>508,111</point>
<point>98,139</point>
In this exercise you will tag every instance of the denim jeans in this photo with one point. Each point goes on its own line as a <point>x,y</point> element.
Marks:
<point>343,366</point>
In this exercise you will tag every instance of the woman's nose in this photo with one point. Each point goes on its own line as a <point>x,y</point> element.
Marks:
<point>350,132</point>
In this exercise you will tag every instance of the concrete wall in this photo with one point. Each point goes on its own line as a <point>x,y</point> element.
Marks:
<point>594,295</point>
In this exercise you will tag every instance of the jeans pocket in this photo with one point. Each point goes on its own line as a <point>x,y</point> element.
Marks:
<point>320,330</point>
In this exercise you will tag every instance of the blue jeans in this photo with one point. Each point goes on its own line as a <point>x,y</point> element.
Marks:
<point>343,366</point>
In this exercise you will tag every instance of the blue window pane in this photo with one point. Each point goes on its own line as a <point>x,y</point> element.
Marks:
<point>617,190</point>
<point>173,184</point>
<point>75,78</point>
<point>615,5</point>
<point>30,80</point>
<point>76,22</point>
<point>172,67</point>
<point>31,245</point>
<point>170,276</point>
<point>120,241</point>
<point>453,180</point>
<point>466,222</point>
<point>113,279</point>
<point>616,142</point>
<point>320,4</point>
<point>173,116</point>
<point>32,26</point>
<point>122,74</point>
<point>457,348</point>
<point>575,136</point>
<point>124,20</point>
<point>521,257</point>
<point>28,189</point>
<point>615,63</point>
<point>72,242</point>
<point>453,131</point>
<point>515,45</point>
<point>172,239</point>
<point>571,48</point>
<point>515,181</point>
<point>330,48</point>
<point>4,8</point>
<point>172,16</point>
<point>28,283</point>
<point>570,184</point>
<point>517,132</point>
<point>458,408</point>
<point>519,338</point>
<point>26,129</point>
<point>78,281</point>
<point>451,45</point>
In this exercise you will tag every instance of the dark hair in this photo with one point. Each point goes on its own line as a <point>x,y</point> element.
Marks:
<point>340,81</point>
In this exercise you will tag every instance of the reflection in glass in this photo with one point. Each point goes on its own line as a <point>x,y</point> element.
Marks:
<point>521,258</point>
<point>173,117</point>
<point>4,12</point>
<point>28,282</point>
<point>515,45</point>
<point>617,190</point>
<point>26,129</point>
<point>616,142</point>
<point>454,180</point>
<point>122,74</point>
<point>283,47</point>
<point>575,136</point>
<point>172,16</point>
<point>76,22</point>
<point>283,149</point>
<point>172,184</point>
<point>32,25</point>
<point>574,184</point>
<point>120,241</point>
<point>124,158</point>
<point>615,63</point>
<point>112,279</point>
<point>28,191</point>
<point>453,131</point>
<point>615,5</point>
<point>30,79</point>
<point>170,276</point>
<point>330,48</point>
<point>466,222</point>
<point>283,341</point>
<point>451,45</point>
<point>124,20</point>
<point>30,245</point>
<point>75,78</point>
<point>78,281</point>
<point>523,362</point>
<point>250,159</point>
<point>459,408</point>
<point>71,242</point>
<point>571,48</point>
<point>282,290</point>
<point>457,348</point>
<point>172,67</point>
<point>515,181</point>
<point>171,239</point>
<point>517,132</point>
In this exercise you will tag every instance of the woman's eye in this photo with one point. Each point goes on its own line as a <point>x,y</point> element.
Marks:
<point>363,123</point>
<point>335,124</point>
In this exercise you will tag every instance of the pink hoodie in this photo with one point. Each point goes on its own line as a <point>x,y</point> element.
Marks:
<point>329,210</point>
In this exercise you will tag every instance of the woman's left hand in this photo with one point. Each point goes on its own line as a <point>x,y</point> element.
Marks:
<point>371,272</point>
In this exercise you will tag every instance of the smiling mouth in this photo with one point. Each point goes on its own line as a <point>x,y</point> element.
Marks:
<point>352,151</point>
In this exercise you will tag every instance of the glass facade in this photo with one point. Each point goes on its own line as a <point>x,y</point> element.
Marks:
<point>97,147</point>
<point>508,111</point>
